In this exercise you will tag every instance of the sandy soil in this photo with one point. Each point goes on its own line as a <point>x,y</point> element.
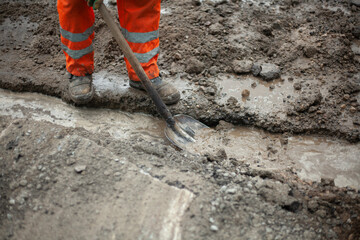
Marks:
<point>93,173</point>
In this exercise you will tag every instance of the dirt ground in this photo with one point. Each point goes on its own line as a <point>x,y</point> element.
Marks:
<point>286,71</point>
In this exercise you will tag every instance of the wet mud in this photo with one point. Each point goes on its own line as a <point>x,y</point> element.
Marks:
<point>210,50</point>
<point>278,82</point>
<point>310,157</point>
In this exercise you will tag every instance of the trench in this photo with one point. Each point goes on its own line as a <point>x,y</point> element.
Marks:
<point>311,157</point>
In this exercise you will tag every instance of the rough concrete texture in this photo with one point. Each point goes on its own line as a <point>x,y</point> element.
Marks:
<point>80,173</point>
<point>91,173</point>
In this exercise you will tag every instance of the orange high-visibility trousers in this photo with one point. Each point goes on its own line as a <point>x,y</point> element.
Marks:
<point>139,21</point>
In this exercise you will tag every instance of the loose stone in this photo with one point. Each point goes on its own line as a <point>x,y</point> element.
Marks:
<point>214,228</point>
<point>297,86</point>
<point>245,93</point>
<point>80,168</point>
<point>23,183</point>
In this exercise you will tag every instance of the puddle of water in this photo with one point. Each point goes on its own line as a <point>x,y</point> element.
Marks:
<point>42,108</point>
<point>262,98</point>
<point>314,157</point>
<point>321,157</point>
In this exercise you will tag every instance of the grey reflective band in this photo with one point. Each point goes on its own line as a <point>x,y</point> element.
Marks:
<point>146,57</point>
<point>77,37</point>
<point>76,54</point>
<point>136,37</point>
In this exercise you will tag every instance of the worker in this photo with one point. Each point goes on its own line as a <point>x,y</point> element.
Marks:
<point>139,21</point>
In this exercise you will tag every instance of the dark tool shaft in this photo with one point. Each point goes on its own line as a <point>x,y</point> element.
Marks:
<point>128,53</point>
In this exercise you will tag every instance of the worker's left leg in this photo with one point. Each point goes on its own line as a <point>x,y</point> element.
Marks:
<point>139,22</point>
<point>76,28</point>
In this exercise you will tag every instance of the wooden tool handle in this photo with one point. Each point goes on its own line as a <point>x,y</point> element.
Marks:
<point>128,53</point>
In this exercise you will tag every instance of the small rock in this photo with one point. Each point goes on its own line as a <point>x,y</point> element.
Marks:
<point>243,66</point>
<point>80,168</point>
<point>231,191</point>
<point>256,69</point>
<point>313,109</point>
<point>352,109</point>
<point>218,157</point>
<point>297,86</point>
<point>313,206</point>
<point>214,53</point>
<point>253,85</point>
<point>327,182</point>
<point>12,201</point>
<point>213,70</point>
<point>232,101</point>
<point>343,106</point>
<point>272,87</point>
<point>177,56</point>
<point>214,228</point>
<point>223,125</point>
<point>310,51</point>
<point>215,28</point>
<point>107,173</point>
<point>245,93</point>
<point>195,66</point>
<point>117,174</point>
<point>269,71</point>
<point>346,97</point>
<point>23,183</point>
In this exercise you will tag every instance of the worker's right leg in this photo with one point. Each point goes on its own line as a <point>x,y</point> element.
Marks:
<point>139,21</point>
<point>77,32</point>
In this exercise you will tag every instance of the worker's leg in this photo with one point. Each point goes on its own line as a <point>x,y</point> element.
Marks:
<point>76,28</point>
<point>77,32</point>
<point>139,22</point>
